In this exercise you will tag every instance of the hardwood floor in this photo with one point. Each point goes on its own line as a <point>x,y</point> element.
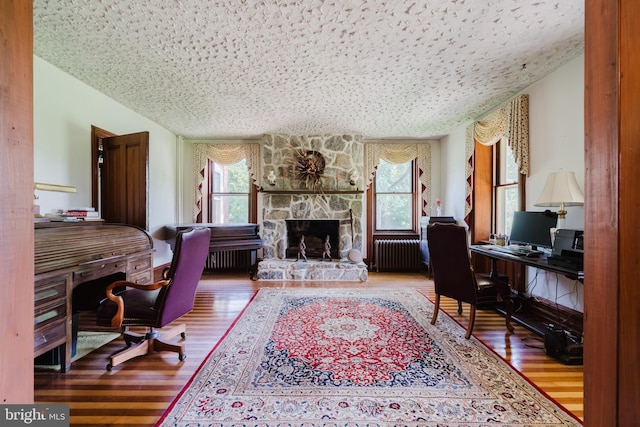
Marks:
<point>137,392</point>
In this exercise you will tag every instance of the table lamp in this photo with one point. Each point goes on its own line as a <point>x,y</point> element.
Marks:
<point>561,189</point>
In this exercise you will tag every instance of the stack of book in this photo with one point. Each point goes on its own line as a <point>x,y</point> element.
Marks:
<point>84,214</point>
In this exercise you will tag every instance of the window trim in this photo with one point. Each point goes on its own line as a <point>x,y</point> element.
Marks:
<point>497,150</point>
<point>372,202</point>
<point>207,199</point>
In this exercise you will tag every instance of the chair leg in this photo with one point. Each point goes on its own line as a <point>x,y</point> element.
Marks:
<point>509,310</point>
<point>174,331</point>
<point>459,307</point>
<point>160,343</point>
<point>132,337</point>
<point>154,340</point>
<point>436,309</point>
<point>472,320</point>
<point>128,353</point>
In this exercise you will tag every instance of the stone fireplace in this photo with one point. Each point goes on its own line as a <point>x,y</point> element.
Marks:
<point>280,209</point>
<point>291,209</point>
<point>280,241</point>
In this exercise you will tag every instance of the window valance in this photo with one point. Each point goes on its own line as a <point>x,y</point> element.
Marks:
<point>225,154</point>
<point>401,153</point>
<point>510,123</point>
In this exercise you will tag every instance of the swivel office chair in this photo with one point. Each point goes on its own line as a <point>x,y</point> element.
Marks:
<point>157,304</point>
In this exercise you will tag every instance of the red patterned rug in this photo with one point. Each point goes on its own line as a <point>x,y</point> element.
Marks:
<point>354,357</point>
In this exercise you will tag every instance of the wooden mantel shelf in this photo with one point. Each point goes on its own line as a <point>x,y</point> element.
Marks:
<point>306,192</point>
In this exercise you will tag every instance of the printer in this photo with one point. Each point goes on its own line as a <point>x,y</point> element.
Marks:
<point>568,249</point>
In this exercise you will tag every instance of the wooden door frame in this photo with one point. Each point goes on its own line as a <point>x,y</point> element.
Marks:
<point>612,294</point>
<point>96,144</point>
<point>16,210</point>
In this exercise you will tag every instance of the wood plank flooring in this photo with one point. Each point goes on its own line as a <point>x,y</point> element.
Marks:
<point>137,392</point>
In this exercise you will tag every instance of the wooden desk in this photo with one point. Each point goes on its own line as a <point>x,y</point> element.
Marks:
<point>537,262</point>
<point>71,254</point>
<point>535,314</point>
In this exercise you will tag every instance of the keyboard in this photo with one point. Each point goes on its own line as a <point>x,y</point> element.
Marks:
<point>515,251</point>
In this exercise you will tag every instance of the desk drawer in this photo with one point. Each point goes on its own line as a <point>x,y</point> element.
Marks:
<point>143,277</point>
<point>140,264</point>
<point>49,289</point>
<point>140,269</point>
<point>49,337</point>
<point>50,312</point>
<point>98,270</point>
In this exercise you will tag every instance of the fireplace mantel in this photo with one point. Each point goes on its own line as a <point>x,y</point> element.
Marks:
<point>311,193</point>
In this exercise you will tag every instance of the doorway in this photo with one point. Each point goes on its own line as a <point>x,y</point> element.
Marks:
<point>120,176</point>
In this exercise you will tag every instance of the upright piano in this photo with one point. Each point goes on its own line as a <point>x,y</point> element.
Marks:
<point>226,237</point>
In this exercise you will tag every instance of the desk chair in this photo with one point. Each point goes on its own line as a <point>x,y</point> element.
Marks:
<point>157,304</point>
<point>454,277</point>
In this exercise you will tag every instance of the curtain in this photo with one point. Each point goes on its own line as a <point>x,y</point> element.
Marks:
<point>510,123</point>
<point>401,153</point>
<point>225,154</point>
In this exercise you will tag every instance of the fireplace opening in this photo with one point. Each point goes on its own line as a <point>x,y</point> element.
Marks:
<point>315,232</point>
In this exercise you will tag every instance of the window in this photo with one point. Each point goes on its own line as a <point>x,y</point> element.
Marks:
<point>394,197</point>
<point>230,193</point>
<point>506,188</point>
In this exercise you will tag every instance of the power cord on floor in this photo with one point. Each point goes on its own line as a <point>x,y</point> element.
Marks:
<point>533,341</point>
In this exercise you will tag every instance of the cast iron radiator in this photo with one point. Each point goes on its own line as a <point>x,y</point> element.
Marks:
<point>398,255</point>
<point>228,261</point>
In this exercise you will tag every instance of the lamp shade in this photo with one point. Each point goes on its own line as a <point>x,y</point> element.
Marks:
<point>561,189</point>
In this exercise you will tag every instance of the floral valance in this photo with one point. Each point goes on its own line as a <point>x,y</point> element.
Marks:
<point>225,154</point>
<point>510,123</point>
<point>401,153</point>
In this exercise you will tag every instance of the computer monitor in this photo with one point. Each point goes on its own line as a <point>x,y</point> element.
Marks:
<point>533,228</point>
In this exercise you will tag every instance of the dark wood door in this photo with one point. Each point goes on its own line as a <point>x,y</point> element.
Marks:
<point>121,176</point>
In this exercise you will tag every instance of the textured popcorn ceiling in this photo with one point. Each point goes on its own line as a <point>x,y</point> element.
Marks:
<point>242,68</point>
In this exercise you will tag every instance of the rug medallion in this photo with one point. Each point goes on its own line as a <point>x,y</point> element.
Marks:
<point>338,357</point>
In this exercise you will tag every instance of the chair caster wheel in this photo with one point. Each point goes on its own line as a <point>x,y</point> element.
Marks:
<point>182,356</point>
<point>183,334</point>
<point>109,367</point>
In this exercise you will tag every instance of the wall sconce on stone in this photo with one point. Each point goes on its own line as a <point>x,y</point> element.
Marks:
<point>271,177</point>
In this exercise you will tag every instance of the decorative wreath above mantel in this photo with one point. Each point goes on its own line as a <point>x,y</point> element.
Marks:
<point>308,166</point>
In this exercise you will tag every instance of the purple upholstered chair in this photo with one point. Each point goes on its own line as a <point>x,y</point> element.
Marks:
<point>453,274</point>
<point>157,304</point>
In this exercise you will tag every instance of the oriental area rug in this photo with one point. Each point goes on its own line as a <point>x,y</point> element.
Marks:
<point>355,357</point>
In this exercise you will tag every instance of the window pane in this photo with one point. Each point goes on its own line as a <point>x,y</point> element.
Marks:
<point>393,178</point>
<point>509,168</point>
<point>229,203</point>
<point>231,178</point>
<point>229,209</point>
<point>393,211</point>
<point>506,205</point>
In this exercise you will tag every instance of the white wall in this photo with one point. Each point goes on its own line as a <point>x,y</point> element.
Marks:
<point>64,110</point>
<point>452,170</point>
<point>556,130</point>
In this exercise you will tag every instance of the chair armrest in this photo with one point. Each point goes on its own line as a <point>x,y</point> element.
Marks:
<point>116,321</point>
